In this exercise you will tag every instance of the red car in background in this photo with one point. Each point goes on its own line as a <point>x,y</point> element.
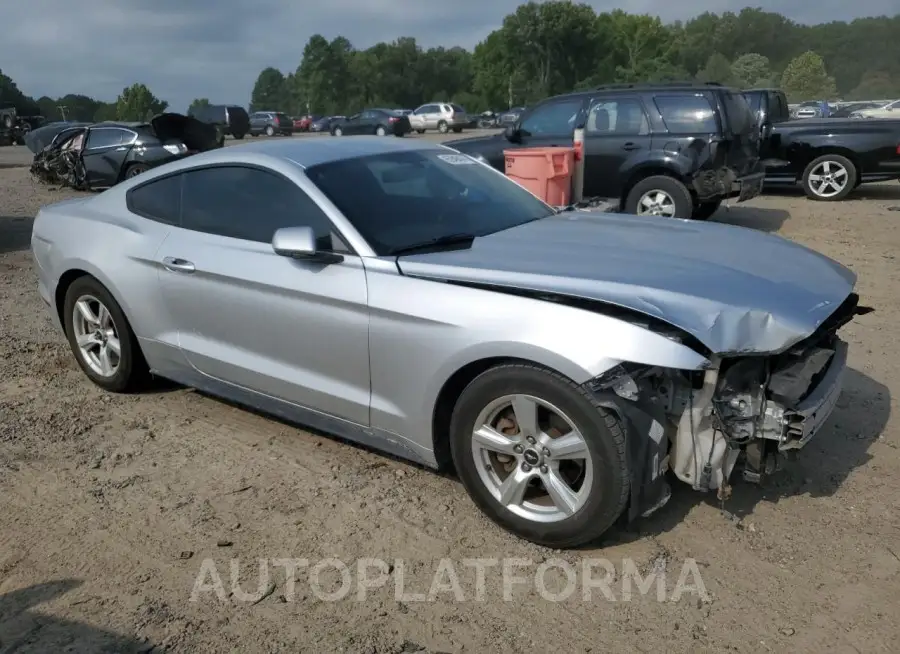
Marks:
<point>303,124</point>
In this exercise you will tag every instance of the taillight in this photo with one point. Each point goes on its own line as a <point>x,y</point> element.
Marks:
<point>393,119</point>
<point>898,148</point>
<point>276,121</point>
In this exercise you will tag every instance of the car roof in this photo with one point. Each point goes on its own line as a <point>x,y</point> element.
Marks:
<point>309,152</point>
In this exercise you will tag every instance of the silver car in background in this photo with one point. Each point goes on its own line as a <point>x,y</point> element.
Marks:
<point>440,116</point>
<point>407,297</point>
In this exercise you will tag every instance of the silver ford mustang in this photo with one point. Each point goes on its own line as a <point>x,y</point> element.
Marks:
<point>407,297</point>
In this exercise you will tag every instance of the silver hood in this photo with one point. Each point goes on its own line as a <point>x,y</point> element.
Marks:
<point>736,290</point>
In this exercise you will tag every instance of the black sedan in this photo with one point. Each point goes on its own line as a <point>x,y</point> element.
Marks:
<point>380,122</point>
<point>325,124</point>
<point>100,155</point>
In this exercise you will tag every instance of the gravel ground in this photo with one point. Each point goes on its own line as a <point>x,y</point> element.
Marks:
<point>112,506</point>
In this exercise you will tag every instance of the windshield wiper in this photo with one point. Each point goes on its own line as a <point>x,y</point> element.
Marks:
<point>460,241</point>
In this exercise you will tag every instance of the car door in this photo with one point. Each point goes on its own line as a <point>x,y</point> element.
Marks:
<point>104,154</point>
<point>616,134</point>
<point>353,124</point>
<point>257,123</point>
<point>551,123</point>
<point>290,329</point>
<point>368,121</point>
<point>429,114</point>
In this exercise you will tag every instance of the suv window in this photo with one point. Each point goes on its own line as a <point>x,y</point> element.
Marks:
<point>458,109</point>
<point>556,118</point>
<point>623,116</point>
<point>740,118</point>
<point>104,137</point>
<point>250,204</point>
<point>687,114</point>
<point>159,200</point>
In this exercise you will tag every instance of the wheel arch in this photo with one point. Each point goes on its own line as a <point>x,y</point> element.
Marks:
<point>814,153</point>
<point>77,271</point>
<point>644,171</point>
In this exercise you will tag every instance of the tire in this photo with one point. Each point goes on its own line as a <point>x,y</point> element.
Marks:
<point>380,131</point>
<point>420,131</point>
<point>8,121</point>
<point>842,173</point>
<point>270,131</point>
<point>130,372</point>
<point>705,210</point>
<point>442,126</point>
<point>239,136</point>
<point>604,474</point>
<point>135,169</point>
<point>337,132</point>
<point>677,199</point>
<point>457,130</point>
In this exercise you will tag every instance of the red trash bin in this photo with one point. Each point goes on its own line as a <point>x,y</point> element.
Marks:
<point>546,172</point>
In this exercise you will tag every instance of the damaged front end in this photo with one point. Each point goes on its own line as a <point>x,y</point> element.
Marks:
<point>61,163</point>
<point>756,409</point>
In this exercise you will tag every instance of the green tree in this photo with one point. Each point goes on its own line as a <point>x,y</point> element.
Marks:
<point>198,103</point>
<point>11,95</point>
<point>717,69</point>
<point>876,85</point>
<point>805,78</point>
<point>644,48</point>
<point>137,103</point>
<point>752,70</point>
<point>105,111</point>
<point>270,91</point>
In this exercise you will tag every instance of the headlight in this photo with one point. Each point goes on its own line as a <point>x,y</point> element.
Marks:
<point>179,148</point>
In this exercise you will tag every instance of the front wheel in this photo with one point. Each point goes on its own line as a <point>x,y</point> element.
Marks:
<point>660,195</point>
<point>420,131</point>
<point>539,455</point>
<point>705,210</point>
<point>829,178</point>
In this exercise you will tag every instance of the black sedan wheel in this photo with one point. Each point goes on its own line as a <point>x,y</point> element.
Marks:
<point>135,169</point>
<point>380,131</point>
<point>337,132</point>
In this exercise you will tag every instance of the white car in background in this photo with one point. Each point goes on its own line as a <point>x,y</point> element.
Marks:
<point>890,110</point>
<point>442,116</point>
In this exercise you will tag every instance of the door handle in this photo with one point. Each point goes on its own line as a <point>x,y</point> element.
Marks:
<point>178,265</point>
<point>122,149</point>
<point>631,146</point>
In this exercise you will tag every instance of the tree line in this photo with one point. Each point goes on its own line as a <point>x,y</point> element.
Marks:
<point>543,49</point>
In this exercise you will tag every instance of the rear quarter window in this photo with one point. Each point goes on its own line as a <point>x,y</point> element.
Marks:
<point>159,200</point>
<point>687,114</point>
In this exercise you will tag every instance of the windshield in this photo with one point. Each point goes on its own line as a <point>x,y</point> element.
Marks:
<point>400,199</point>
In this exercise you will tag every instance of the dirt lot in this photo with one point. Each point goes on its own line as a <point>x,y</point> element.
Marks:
<point>110,505</point>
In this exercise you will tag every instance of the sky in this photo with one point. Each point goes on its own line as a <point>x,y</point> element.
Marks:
<point>184,49</point>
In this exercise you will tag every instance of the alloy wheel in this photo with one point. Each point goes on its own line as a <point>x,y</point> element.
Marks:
<point>656,203</point>
<point>532,458</point>
<point>828,179</point>
<point>96,336</point>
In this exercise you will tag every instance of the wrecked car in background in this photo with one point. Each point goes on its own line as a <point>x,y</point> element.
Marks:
<point>99,155</point>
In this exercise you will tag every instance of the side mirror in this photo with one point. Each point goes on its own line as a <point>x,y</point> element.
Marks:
<point>300,243</point>
<point>512,133</point>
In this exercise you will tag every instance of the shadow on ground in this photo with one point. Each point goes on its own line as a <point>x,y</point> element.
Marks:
<point>763,219</point>
<point>25,629</point>
<point>15,233</point>
<point>821,468</point>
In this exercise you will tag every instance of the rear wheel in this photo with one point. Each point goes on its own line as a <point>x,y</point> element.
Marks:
<point>829,178</point>
<point>101,338</point>
<point>239,136</point>
<point>337,132</point>
<point>442,126</point>
<point>660,195</point>
<point>380,131</point>
<point>135,169</point>
<point>457,130</point>
<point>270,131</point>
<point>705,210</point>
<point>420,131</point>
<point>539,456</point>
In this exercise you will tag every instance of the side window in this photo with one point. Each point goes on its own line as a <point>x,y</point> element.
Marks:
<point>250,204</point>
<point>553,118</point>
<point>620,117</point>
<point>687,114</point>
<point>107,137</point>
<point>159,200</point>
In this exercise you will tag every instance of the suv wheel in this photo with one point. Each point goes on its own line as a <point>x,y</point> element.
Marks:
<point>539,455</point>
<point>660,195</point>
<point>442,126</point>
<point>270,131</point>
<point>829,178</point>
<point>705,210</point>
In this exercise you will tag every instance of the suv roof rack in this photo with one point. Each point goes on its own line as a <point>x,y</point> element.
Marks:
<point>654,85</point>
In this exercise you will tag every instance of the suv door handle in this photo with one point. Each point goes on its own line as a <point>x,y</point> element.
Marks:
<point>178,265</point>
<point>631,146</point>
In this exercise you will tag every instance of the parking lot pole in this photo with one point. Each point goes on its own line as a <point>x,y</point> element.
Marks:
<point>578,176</point>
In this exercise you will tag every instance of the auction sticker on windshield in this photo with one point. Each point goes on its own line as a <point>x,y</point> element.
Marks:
<point>457,159</point>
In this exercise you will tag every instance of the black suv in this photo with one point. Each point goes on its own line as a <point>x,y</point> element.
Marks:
<point>228,119</point>
<point>675,149</point>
